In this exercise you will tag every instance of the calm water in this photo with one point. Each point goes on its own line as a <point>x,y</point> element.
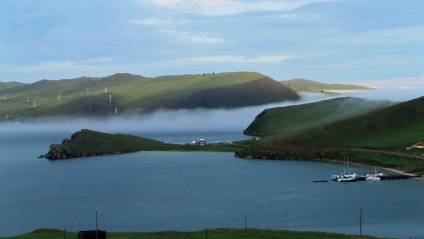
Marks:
<point>153,191</point>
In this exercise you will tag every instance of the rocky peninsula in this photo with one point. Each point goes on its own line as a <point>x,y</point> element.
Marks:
<point>92,143</point>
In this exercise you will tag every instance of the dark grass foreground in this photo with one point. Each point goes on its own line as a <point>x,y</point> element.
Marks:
<point>209,233</point>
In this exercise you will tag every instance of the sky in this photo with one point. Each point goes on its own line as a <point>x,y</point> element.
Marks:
<point>378,43</point>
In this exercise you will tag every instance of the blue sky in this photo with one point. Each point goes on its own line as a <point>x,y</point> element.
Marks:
<point>354,41</point>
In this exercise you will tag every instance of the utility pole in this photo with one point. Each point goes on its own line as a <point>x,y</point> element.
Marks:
<point>360,223</point>
<point>34,104</point>
<point>110,98</point>
<point>245,226</point>
<point>96,222</point>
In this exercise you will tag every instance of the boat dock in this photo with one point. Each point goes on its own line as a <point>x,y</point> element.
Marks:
<point>394,176</point>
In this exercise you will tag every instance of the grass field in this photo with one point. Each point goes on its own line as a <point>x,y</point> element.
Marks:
<point>285,121</point>
<point>207,233</point>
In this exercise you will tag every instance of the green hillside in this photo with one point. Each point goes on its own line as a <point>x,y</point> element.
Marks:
<point>124,93</point>
<point>289,120</point>
<point>89,143</point>
<point>304,85</point>
<point>395,127</point>
<point>345,122</point>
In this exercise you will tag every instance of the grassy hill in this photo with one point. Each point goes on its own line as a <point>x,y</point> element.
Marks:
<point>299,85</point>
<point>330,130</point>
<point>345,122</point>
<point>88,96</point>
<point>395,127</point>
<point>286,121</point>
<point>92,143</point>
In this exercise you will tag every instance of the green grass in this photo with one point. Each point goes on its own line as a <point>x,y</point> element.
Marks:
<point>395,127</point>
<point>210,233</point>
<point>285,121</point>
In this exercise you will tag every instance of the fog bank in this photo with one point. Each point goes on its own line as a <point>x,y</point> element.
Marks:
<point>195,120</point>
<point>161,121</point>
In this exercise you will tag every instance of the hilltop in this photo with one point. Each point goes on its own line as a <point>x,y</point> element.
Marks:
<point>305,85</point>
<point>127,93</point>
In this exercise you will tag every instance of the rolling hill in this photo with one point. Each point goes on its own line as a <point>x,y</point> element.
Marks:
<point>293,119</point>
<point>304,85</point>
<point>333,122</point>
<point>127,93</point>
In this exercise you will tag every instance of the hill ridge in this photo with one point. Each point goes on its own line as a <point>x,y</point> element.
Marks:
<point>123,93</point>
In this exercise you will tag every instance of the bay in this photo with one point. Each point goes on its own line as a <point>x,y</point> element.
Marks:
<point>155,191</point>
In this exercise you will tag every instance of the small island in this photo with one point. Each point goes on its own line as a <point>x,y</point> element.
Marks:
<point>92,143</point>
<point>88,142</point>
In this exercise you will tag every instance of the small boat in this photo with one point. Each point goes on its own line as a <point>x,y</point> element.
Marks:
<point>374,176</point>
<point>347,178</point>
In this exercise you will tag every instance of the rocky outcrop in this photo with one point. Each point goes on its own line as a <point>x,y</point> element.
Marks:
<point>58,151</point>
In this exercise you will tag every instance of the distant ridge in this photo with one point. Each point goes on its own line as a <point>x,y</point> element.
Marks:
<point>305,85</point>
<point>124,93</point>
<point>8,85</point>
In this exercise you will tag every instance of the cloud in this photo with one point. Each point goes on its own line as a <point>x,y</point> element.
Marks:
<point>239,59</point>
<point>152,22</point>
<point>63,69</point>
<point>228,7</point>
<point>401,84</point>
<point>192,37</point>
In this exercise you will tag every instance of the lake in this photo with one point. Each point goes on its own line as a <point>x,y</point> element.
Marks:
<point>155,191</point>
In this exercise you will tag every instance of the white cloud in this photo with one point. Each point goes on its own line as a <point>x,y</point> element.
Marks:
<point>152,22</point>
<point>225,7</point>
<point>62,69</point>
<point>191,37</point>
<point>402,83</point>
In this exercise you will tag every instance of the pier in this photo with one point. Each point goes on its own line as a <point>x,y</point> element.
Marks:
<point>394,176</point>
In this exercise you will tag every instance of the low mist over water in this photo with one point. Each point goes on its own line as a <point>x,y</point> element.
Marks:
<point>195,120</point>
<point>184,120</point>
